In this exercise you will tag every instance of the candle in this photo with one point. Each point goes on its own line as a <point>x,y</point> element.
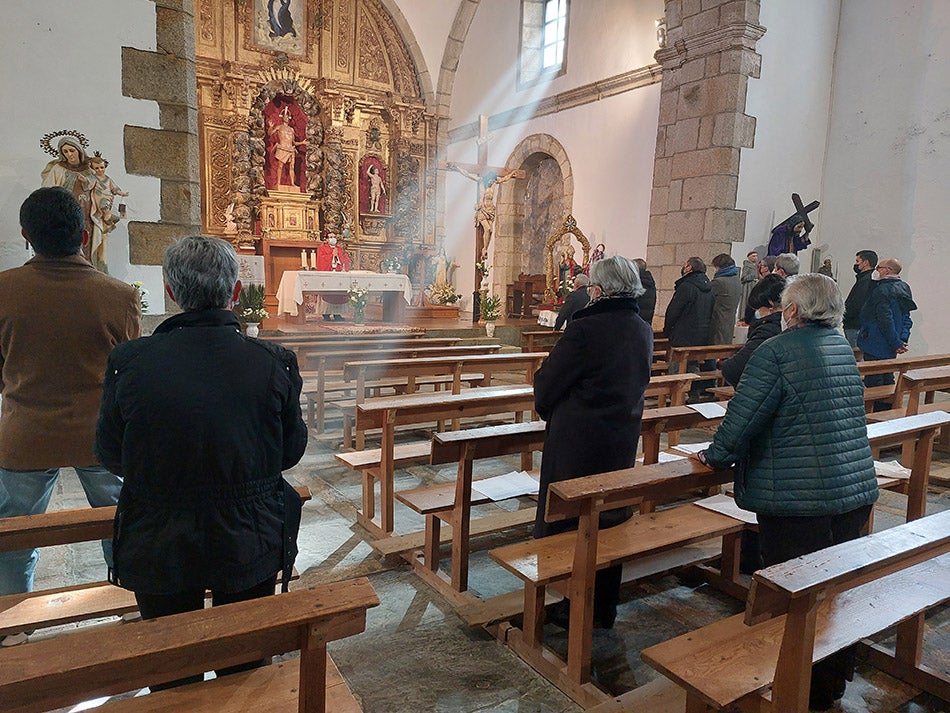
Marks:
<point>313,259</point>
<point>303,259</point>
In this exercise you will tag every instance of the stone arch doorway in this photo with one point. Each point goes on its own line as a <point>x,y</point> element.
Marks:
<point>530,209</point>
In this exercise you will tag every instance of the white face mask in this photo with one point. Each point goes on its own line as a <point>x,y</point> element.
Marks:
<point>332,241</point>
<point>875,275</point>
<point>758,314</point>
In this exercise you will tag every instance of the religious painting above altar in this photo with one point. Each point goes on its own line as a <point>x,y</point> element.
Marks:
<point>280,25</point>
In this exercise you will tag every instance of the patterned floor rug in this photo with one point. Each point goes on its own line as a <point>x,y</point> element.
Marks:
<point>371,329</point>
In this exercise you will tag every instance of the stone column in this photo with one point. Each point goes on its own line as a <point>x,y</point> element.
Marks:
<point>709,57</point>
<point>171,152</point>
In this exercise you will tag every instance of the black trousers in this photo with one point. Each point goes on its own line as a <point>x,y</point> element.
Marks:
<point>152,606</point>
<point>784,538</point>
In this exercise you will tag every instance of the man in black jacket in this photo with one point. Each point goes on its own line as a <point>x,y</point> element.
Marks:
<point>689,313</point>
<point>574,302</point>
<point>201,420</point>
<point>864,263</point>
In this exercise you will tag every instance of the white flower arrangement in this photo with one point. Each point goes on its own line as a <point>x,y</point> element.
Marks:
<point>143,294</point>
<point>443,294</point>
<point>358,296</point>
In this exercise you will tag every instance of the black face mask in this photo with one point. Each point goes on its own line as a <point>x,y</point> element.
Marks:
<point>857,269</point>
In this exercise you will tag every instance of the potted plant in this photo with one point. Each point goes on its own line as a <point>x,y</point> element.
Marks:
<point>251,308</point>
<point>491,310</point>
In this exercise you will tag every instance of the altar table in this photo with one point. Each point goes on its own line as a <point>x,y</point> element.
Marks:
<point>396,290</point>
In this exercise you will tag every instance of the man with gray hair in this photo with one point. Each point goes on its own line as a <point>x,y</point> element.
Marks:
<point>885,320</point>
<point>787,265</point>
<point>574,302</point>
<point>201,420</point>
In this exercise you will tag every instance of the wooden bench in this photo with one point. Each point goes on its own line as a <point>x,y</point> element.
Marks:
<point>679,357</point>
<point>342,343</point>
<point>452,502</point>
<point>418,371</point>
<point>389,412</point>
<point>318,368</point>
<point>893,394</point>
<point>657,542</point>
<point>537,340</point>
<point>44,608</point>
<point>69,669</point>
<point>801,611</point>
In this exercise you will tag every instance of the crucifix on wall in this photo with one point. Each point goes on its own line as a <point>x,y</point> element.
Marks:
<point>486,177</point>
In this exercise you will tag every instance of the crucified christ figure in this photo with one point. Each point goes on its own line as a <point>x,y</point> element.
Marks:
<point>485,210</point>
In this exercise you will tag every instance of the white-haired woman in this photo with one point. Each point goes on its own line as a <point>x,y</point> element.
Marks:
<point>590,391</point>
<point>796,433</point>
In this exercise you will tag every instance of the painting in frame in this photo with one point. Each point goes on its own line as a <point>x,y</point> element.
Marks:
<point>280,26</point>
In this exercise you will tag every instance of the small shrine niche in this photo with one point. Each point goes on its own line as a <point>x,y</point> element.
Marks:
<point>285,131</point>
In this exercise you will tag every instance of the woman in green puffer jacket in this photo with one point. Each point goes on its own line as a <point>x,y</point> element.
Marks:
<point>796,432</point>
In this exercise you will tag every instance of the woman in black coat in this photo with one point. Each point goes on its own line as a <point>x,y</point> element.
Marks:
<point>590,391</point>
<point>765,300</point>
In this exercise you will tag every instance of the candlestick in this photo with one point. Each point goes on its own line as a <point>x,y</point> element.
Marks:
<point>303,259</point>
<point>313,259</point>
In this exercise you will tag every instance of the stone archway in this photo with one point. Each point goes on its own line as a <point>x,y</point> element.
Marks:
<point>509,257</point>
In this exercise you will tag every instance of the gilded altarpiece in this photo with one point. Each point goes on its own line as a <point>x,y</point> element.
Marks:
<point>350,92</point>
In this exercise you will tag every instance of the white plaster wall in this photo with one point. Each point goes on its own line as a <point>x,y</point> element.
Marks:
<point>791,102</point>
<point>610,143</point>
<point>62,70</point>
<point>431,21</point>
<point>887,171</point>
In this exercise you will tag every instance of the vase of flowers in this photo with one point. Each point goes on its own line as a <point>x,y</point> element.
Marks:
<point>358,298</point>
<point>143,294</point>
<point>491,311</point>
<point>251,310</point>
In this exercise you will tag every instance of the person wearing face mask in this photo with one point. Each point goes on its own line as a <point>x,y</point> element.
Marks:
<point>885,320</point>
<point>333,257</point>
<point>864,262</point>
<point>797,435</point>
<point>766,300</point>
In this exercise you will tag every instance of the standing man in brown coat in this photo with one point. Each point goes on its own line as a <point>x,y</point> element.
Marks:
<point>59,319</point>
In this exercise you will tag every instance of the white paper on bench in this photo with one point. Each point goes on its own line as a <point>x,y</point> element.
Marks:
<point>665,457</point>
<point>712,409</point>
<point>727,506</point>
<point>692,447</point>
<point>510,485</point>
<point>891,469</point>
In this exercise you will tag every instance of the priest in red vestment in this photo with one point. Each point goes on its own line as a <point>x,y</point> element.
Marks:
<point>333,257</point>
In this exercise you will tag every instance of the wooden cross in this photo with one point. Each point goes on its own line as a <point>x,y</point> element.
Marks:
<point>485,177</point>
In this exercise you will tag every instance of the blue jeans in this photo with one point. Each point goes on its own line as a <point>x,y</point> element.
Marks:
<point>27,492</point>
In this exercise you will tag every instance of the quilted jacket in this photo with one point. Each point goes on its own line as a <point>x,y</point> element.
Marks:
<point>796,428</point>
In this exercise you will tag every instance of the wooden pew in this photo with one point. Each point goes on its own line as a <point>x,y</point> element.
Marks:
<point>537,340</point>
<point>315,380</point>
<point>656,541</point>
<point>379,343</point>
<point>452,502</point>
<point>43,608</point>
<point>389,412</point>
<point>68,669</point>
<point>894,393</point>
<point>679,357</point>
<point>801,611</point>
<point>575,556</point>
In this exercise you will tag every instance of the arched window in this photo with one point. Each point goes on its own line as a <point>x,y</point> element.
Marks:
<point>543,39</point>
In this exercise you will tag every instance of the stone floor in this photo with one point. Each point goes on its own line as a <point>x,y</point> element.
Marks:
<point>417,655</point>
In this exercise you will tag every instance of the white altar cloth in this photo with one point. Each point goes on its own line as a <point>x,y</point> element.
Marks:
<point>294,283</point>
